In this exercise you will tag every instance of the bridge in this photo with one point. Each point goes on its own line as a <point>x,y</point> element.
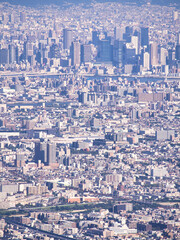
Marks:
<point>60,74</point>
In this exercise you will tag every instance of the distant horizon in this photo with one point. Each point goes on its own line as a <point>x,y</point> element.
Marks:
<point>33,3</point>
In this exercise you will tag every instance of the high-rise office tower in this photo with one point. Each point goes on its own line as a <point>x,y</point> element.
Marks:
<point>163,55</point>
<point>4,56</point>
<point>85,53</point>
<point>20,160</point>
<point>154,54</point>
<point>12,53</point>
<point>130,53</point>
<point>51,153</point>
<point>144,36</point>
<point>39,57</point>
<point>22,17</point>
<point>105,51</point>
<point>178,52</point>
<point>138,34</point>
<point>118,53</point>
<point>41,152</point>
<point>67,38</point>
<point>45,52</point>
<point>75,54</point>
<point>178,47</point>
<point>31,60</point>
<point>146,60</point>
<point>54,51</point>
<point>95,38</point>
<point>46,152</point>
<point>17,55</point>
<point>128,33</point>
<point>118,33</point>
<point>28,49</point>
<point>171,56</point>
<point>178,38</point>
<point>83,97</point>
<point>51,33</point>
<point>135,42</point>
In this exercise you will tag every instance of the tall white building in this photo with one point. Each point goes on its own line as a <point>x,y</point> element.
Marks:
<point>146,60</point>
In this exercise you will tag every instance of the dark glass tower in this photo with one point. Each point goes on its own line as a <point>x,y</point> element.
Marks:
<point>105,51</point>
<point>144,36</point>
<point>118,53</point>
<point>95,38</point>
<point>46,152</point>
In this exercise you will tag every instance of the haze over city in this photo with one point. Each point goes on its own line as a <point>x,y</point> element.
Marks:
<point>89,120</point>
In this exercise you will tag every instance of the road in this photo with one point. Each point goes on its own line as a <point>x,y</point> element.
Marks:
<point>56,74</point>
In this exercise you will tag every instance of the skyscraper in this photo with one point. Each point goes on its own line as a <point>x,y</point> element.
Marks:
<point>105,51</point>
<point>163,55</point>
<point>134,41</point>
<point>41,152</point>
<point>154,54</point>
<point>17,55</point>
<point>128,33</point>
<point>177,52</point>
<point>75,54</point>
<point>28,49</point>
<point>178,47</point>
<point>118,33</point>
<point>146,60</point>
<point>46,152</point>
<point>85,53</point>
<point>51,153</point>
<point>144,36</point>
<point>4,56</point>
<point>82,97</point>
<point>95,38</point>
<point>118,53</point>
<point>12,53</point>
<point>67,38</point>
<point>54,51</point>
<point>138,34</point>
<point>178,38</point>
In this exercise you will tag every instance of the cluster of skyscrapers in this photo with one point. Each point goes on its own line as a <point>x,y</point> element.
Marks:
<point>129,50</point>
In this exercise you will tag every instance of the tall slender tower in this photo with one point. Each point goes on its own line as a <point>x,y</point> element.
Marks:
<point>95,38</point>
<point>154,54</point>
<point>118,33</point>
<point>67,38</point>
<point>12,53</point>
<point>46,152</point>
<point>51,153</point>
<point>146,60</point>
<point>178,47</point>
<point>144,36</point>
<point>85,53</point>
<point>118,53</point>
<point>28,49</point>
<point>75,54</point>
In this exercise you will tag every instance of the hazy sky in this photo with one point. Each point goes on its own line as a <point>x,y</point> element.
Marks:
<point>36,2</point>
